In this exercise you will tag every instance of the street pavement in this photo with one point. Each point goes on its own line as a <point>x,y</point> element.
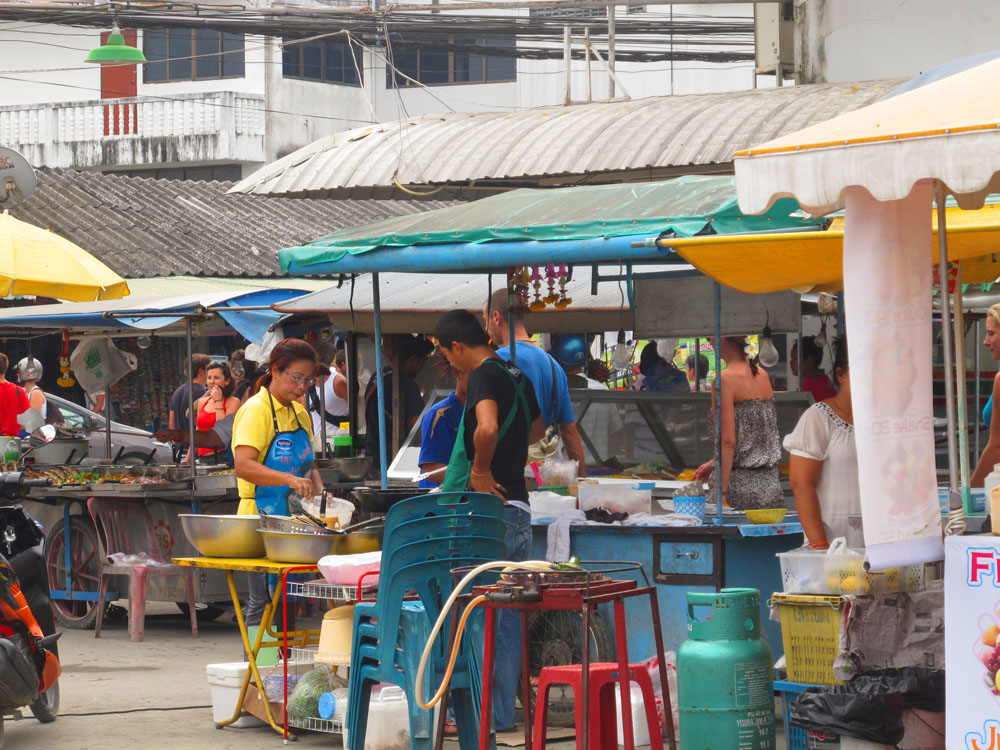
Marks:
<point>119,695</point>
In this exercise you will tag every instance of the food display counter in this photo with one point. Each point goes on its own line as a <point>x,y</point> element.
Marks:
<point>71,545</point>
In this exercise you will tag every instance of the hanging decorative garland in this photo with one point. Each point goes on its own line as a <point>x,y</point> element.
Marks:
<point>65,380</point>
<point>524,284</point>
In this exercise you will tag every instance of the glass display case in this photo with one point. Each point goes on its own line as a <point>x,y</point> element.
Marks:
<point>621,429</point>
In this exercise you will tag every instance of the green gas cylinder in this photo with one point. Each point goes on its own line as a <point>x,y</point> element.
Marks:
<point>725,691</point>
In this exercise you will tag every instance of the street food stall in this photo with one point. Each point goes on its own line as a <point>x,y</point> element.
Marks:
<point>71,546</point>
<point>588,231</point>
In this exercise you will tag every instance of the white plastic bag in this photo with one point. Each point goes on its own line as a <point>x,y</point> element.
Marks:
<point>652,665</point>
<point>345,570</point>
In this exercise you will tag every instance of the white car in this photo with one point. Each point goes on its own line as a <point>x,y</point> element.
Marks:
<point>129,445</point>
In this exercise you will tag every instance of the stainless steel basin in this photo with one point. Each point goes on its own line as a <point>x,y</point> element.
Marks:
<point>292,547</point>
<point>224,536</point>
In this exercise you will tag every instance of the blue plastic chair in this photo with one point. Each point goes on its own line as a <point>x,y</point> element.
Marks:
<point>395,660</point>
<point>424,540</point>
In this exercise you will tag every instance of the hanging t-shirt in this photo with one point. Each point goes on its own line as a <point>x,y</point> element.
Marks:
<point>13,401</point>
<point>489,382</point>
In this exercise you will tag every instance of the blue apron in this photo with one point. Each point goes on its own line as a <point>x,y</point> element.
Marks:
<point>290,452</point>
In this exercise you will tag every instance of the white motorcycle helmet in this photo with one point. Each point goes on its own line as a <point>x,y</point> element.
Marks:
<point>29,369</point>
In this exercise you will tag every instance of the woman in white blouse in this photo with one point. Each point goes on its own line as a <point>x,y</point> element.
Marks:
<point>824,461</point>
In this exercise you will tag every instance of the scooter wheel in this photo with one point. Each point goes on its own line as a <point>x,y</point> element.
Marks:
<point>46,708</point>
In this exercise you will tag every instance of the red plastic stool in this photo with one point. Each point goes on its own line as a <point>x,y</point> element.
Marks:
<point>600,703</point>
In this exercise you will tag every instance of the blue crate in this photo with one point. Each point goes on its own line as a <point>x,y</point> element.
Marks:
<point>795,738</point>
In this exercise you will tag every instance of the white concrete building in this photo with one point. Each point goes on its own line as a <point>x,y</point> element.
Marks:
<point>244,100</point>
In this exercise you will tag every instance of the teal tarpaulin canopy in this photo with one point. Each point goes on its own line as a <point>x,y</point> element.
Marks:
<point>684,206</point>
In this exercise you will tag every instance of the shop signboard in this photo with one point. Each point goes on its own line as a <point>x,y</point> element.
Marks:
<point>972,628</point>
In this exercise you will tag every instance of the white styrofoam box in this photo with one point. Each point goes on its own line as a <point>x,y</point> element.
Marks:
<point>640,727</point>
<point>225,681</point>
<point>550,504</point>
<point>618,498</point>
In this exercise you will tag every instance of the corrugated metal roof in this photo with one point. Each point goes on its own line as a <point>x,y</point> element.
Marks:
<point>171,286</point>
<point>412,303</point>
<point>144,227</point>
<point>510,148</point>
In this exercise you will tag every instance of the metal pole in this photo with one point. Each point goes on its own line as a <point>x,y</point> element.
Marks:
<point>379,384</point>
<point>611,52</point>
<point>512,331</point>
<point>961,397</point>
<point>717,389</point>
<point>107,421</point>
<point>949,386</point>
<point>978,407</point>
<point>586,47</point>
<point>841,324</point>
<point>697,369</point>
<point>192,451</point>
<point>322,415</point>
<point>568,63</point>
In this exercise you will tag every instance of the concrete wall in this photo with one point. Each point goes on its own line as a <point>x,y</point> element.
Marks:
<point>862,40</point>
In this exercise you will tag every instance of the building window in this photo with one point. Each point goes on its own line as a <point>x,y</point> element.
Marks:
<point>572,14</point>
<point>328,62</point>
<point>191,55</point>
<point>208,172</point>
<point>451,60</point>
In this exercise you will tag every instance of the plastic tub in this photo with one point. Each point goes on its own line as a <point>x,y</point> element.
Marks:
<point>815,572</point>
<point>388,721</point>
<point>549,504</point>
<point>618,498</point>
<point>225,681</point>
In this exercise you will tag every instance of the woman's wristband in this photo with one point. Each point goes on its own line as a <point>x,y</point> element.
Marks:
<point>821,544</point>
<point>480,473</point>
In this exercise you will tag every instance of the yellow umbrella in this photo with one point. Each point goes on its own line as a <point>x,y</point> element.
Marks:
<point>38,262</point>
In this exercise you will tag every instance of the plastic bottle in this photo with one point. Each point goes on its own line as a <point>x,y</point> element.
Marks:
<point>990,485</point>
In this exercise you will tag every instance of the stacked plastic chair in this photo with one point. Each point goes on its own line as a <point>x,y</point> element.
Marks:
<point>425,538</point>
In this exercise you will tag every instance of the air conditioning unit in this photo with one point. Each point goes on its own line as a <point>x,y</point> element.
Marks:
<point>774,39</point>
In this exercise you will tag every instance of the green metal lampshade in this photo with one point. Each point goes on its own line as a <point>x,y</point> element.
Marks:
<point>115,51</point>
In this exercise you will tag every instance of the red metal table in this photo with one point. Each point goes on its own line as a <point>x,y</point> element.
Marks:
<point>528,592</point>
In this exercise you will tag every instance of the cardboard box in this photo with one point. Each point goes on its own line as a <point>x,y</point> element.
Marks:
<point>254,704</point>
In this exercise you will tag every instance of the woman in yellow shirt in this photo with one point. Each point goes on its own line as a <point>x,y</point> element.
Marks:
<point>272,434</point>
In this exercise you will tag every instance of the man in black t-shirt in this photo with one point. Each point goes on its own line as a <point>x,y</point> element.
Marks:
<point>496,390</point>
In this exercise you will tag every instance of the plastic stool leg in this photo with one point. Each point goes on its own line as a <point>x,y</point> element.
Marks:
<point>541,712</point>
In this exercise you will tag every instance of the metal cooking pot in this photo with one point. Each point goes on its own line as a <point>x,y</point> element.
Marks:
<point>376,500</point>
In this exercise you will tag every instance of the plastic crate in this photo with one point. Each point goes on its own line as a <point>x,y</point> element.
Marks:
<point>810,632</point>
<point>814,572</point>
<point>795,737</point>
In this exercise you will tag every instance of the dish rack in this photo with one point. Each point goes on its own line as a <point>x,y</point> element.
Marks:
<point>814,572</point>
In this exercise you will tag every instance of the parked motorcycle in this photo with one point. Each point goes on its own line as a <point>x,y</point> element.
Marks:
<point>29,661</point>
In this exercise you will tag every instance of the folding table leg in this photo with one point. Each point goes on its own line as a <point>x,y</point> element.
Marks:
<point>668,710</point>
<point>486,709</point>
<point>526,677</point>
<point>621,637</point>
<point>585,678</point>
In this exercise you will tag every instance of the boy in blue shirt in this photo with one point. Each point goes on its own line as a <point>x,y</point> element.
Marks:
<point>439,430</point>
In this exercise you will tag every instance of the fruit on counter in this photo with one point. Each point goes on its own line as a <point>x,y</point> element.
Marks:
<point>686,476</point>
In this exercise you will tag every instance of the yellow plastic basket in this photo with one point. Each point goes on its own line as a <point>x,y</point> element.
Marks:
<point>810,632</point>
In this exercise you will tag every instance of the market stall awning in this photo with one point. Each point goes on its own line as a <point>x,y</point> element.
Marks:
<point>569,225</point>
<point>35,261</point>
<point>152,314</point>
<point>948,129</point>
<point>808,261</point>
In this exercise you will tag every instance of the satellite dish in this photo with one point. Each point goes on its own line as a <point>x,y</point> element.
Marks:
<point>17,178</point>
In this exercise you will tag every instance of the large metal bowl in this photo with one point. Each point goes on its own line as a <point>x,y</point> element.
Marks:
<point>223,536</point>
<point>351,469</point>
<point>292,547</point>
<point>356,542</point>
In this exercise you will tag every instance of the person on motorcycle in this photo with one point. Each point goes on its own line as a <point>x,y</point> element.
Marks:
<point>13,401</point>
<point>29,372</point>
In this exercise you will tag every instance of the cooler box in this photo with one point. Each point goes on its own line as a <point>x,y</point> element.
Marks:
<point>225,681</point>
